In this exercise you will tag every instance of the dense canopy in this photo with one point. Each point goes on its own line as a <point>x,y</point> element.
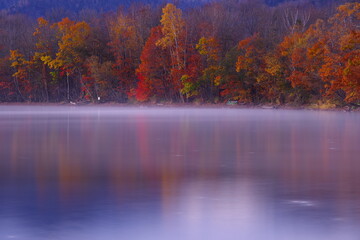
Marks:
<point>246,51</point>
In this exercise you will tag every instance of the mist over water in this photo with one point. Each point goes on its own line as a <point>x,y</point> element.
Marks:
<point>69,172</point>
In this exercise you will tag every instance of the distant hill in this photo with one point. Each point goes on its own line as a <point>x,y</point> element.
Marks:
<point>40,7</point>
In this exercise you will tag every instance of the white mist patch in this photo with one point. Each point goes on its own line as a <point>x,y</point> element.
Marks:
<point>303,203</point>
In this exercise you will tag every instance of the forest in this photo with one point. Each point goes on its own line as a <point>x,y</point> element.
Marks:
<point>246,51</point>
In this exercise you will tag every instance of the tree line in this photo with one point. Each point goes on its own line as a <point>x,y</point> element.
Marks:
<point>228,50</point>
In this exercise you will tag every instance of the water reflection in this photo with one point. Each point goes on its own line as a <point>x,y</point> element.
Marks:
<point>101,173</point>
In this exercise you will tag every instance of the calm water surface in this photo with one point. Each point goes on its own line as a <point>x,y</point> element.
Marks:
<point>160,173</point>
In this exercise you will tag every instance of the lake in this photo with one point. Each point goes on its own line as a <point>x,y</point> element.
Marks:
<point>114,172</point>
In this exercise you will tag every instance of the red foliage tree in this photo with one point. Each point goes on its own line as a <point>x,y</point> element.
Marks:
<point>154,71</point>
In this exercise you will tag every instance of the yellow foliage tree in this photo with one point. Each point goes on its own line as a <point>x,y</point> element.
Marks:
<point>173,30</point>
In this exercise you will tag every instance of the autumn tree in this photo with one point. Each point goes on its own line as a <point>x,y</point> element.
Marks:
<point>278,87</point>
<point>302,54</point>
<point>173,39</point>
<point>99,81</point>
<point>296,19</point>
<point>231,85</point>
<point>7,88</point>
<point>209,49</point>
<point>22,75</point>
<point>70,57</point>
<point>191,81</point>
<point>15,35</point>
<point>251,64</point>
<point>46,46</point>
<point>340,70</point>
<point>154,71</point>
<point>126,46</point>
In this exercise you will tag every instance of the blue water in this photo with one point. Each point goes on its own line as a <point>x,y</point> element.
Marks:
<point>111,172</point>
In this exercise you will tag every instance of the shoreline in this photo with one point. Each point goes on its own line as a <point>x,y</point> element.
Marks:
<point>191,105</point>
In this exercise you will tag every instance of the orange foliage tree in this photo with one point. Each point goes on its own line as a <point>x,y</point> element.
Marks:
<point>71,54</point>
<point>251,64</point>
<point>341,68</point>
<point>303,55</point>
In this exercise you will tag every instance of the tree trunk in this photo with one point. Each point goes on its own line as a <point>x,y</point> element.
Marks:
<point>68,87</point>
<point>45,83</point>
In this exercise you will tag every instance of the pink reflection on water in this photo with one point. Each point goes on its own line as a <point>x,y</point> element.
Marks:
<point>179,174</point>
